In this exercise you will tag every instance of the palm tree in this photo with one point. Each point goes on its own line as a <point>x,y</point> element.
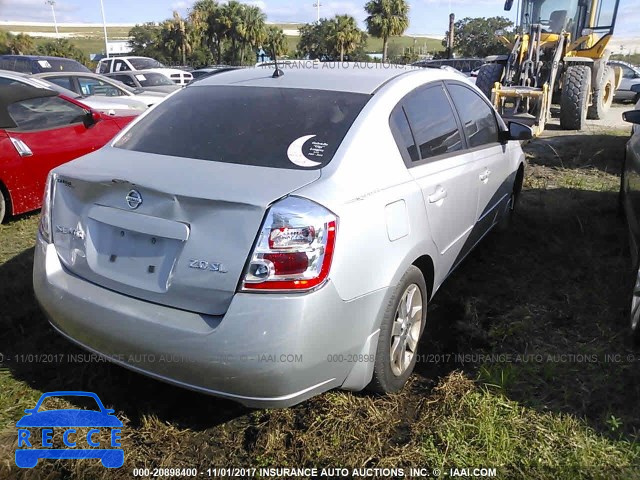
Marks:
<point>176,37</point>
<point>231,23</point>
<point>275,42</point>
<point>253,20</point>
<point>22,44</point>
<point>205,19</point>
<point>387,18</point>
<point>345,34</point>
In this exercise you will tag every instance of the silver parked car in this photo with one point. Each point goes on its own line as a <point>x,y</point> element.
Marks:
<point>92,84</point>
<point>630,77</point>
<point>283,243</point>
<point>106,105</point>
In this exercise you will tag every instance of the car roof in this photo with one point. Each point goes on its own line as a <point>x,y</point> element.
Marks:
<point>16,93</point>
<point>345,77</point>
<point>38,57</point>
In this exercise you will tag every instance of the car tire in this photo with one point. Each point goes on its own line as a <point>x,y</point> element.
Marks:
<point>603,94</point>
<point>3,207</point>
<point>634,305</point>
<point>510,208</point>
<point>574,102</point>
<point>397,350</point>
<point>620,209</point>
<point>488,75</point>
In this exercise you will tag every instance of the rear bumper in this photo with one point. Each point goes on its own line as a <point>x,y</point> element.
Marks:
<point>267,350</point>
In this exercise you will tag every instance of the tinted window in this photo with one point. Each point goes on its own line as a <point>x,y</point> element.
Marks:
<point>402,133</point>
<point>144,63</point>
<point>93,86</point>
<point>126,79</point>
<point>269,127</point>
<point>150,79</point>
<point>64,82</point>
<point>120,66</point>
<point>44,113</point>
<point>479,121</point>
<point>58,65</point>
<point>23,66</point>
<point>432,122</point>
<point>105,66</point>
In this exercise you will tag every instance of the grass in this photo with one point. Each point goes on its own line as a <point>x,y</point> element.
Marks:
<point>526,364</point>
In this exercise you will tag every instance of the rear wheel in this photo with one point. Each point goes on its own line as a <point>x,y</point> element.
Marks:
<point>603,94</point>
<point>401,328</point>
<point>634,314</point>
<point>3,207</point>
<point>488,75</point>
<point>575,97</point>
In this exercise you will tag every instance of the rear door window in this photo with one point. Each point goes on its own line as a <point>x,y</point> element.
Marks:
<point>433,122</point>
<point>44,113</point>
<point>64,82</point>
<point>268,127</point>
<point>403,136</point>
<point>478,118</point>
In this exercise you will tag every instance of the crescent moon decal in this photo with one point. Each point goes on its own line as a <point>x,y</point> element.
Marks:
<point>295,153</point>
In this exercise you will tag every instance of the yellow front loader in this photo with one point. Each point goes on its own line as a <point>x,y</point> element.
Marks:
<point>559,55</point>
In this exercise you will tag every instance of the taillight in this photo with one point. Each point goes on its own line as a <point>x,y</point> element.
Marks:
<point>294,248</point>
<point>45,213</point>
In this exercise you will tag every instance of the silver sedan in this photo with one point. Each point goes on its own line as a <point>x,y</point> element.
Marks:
<point>266,236</point>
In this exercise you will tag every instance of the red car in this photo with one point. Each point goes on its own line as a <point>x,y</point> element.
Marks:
<point>39,130</point>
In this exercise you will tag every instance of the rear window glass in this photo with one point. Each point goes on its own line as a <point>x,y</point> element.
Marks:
<point>59,65</point>
<point>267,127</point>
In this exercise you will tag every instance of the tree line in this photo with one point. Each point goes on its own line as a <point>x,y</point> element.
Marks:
<point>232,33</point>
<point>23,44</point>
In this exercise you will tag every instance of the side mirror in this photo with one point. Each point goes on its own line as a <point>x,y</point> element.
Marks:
<point>517,131</point>
<point>90,119</point>
<point>508,4</point>
<point>632,116</point>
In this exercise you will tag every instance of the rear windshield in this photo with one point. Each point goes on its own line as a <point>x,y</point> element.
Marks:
<point>59,65</point>
<point>153,79</point>
<point>144,63</point>
<point>267,127</point>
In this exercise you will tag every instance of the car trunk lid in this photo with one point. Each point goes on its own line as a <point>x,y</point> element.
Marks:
<point>178,236</point>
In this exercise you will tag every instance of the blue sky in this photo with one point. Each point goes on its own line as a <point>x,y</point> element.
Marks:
<point>427,16</point>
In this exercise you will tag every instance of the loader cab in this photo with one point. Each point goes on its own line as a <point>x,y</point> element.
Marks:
<point>580,18</point>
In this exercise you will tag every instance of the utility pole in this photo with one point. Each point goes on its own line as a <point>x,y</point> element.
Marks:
<point>55,23</point>
<point>318,5</point>
<point>451,36</point>
<point>104,26</point>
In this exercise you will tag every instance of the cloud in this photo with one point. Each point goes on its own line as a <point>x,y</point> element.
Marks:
<point>36,11</point>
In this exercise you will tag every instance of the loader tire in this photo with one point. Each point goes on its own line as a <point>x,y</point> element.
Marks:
<point>603,94</point>
<point>574,103</point>
<point>488,75</point>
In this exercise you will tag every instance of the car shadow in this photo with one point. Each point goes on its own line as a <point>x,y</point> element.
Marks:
<point>539,313</point>
<point>552,289</point>
<point>36,354</point>
<point>602,152</point>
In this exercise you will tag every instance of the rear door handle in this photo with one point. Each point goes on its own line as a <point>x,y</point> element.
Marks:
<point>484,176</point>
<point>440,194</point>
<point>22,148</point>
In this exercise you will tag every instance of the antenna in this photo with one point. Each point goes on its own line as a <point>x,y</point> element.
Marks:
<point>277,73</point>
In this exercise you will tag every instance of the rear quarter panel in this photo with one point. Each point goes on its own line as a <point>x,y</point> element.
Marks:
<point>362,186</point>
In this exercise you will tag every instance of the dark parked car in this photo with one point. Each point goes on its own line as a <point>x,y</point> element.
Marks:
<point>630,206</point>
<point>40,64</point>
